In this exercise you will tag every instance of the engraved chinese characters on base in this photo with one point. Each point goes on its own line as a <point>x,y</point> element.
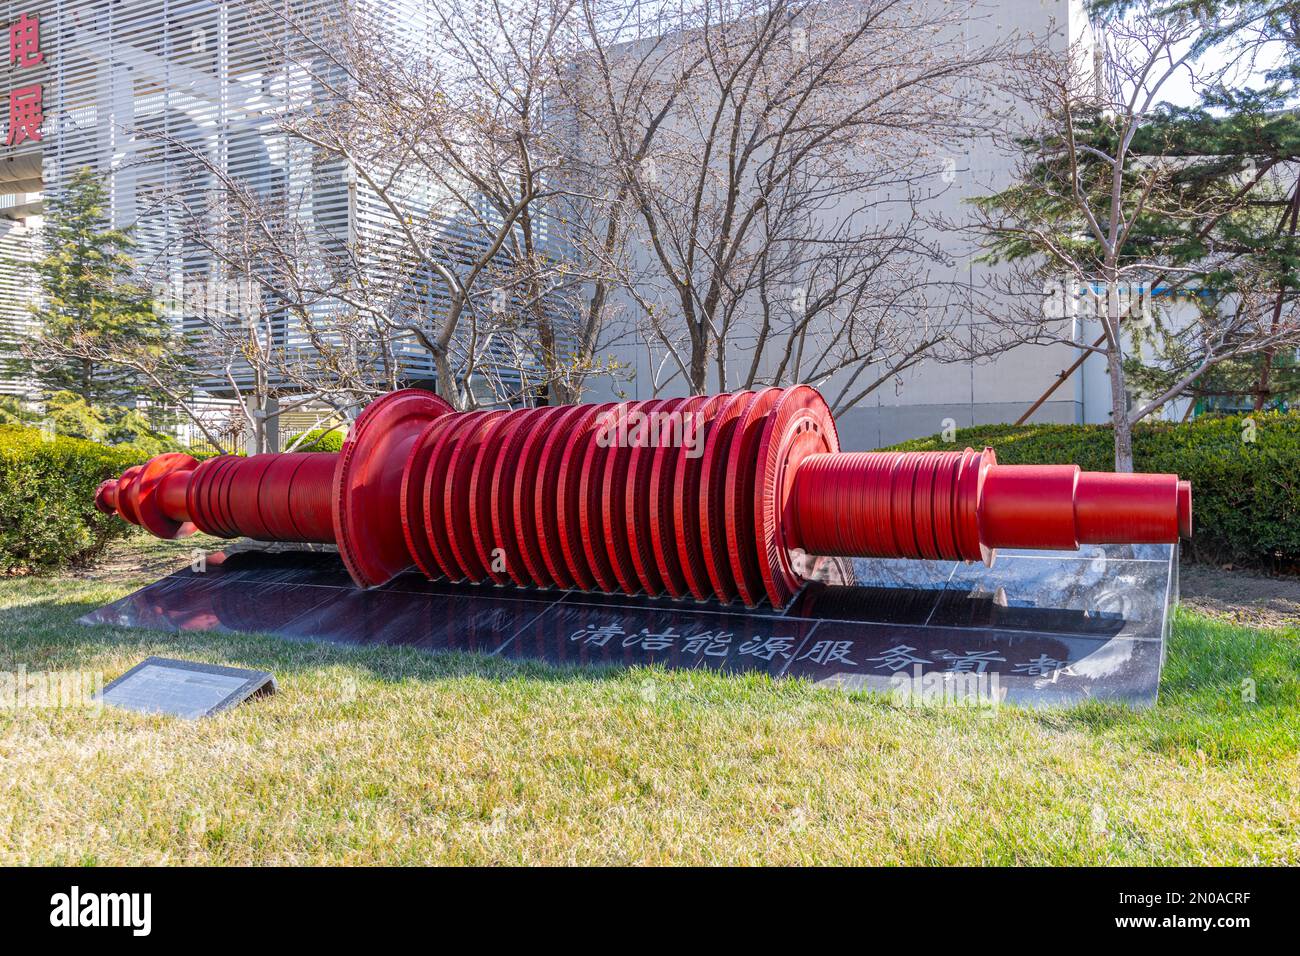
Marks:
<point>597,634</point>
<point>1036,629</point>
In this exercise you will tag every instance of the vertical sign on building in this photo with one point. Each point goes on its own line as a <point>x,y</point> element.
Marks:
<point>26,106</point>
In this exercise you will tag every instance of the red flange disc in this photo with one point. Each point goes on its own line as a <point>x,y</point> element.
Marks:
<point>688,526</point>
<point>800,425</point>
<point>482,478</point>
<point>742,471</point>
<point>127,486</point>
<point>712,496</point>
<point>533,548</point>
<point>274,498</point>
<point>437,524</point>
<point>447,502</point>
<point>628,501</point>
<point>199,498</point>
<point>368,484</point>
<point>663,473</point>
<point>612,482</point>
<point>148,504</point>
<point>944,505</point>
<point>505,529</point>
<point>571,494</point>
<point>414,500</point>
<point>196,495</point>
<point>970,489</point>
<point>222,503</point>
<point>101,496</point>
<point>645,509</point>
<point>590,494</point>
<point>901,514</point>
<point>964,514</point>
<point>663,571</point>
<point>245,496</point>
<point>218,495</point>
<point>923,509</point>
<point>549,503</point>
<point>458,497</point>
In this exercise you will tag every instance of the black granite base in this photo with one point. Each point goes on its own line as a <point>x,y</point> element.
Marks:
<point>1036,628</point>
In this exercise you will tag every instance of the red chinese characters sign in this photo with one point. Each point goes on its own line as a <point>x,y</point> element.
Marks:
<point>26,110</point>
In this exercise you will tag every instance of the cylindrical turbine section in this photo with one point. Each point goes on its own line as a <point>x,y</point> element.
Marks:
<point>962,505</point>
<point>719,497</point>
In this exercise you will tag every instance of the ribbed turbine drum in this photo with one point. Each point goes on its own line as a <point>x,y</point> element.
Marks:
<point>724,496</point>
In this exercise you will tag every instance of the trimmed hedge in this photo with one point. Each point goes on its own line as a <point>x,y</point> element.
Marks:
<point>318,439</point>
<point>47,487</point>
<point>1245,493</point>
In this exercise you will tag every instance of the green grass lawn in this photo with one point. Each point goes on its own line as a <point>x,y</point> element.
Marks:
<point>395,756</point>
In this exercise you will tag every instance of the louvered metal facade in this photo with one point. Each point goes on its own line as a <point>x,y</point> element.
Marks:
<point>150,92</point>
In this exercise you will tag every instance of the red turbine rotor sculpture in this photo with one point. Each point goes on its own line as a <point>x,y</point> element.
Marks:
<point>722,496</point>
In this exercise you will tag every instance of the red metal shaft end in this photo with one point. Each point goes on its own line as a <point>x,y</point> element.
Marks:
<point>282,497</point>
<point>965,505</point>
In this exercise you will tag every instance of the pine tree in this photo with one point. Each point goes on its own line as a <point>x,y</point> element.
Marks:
<point>1119,192</point>
<point>90,304</point>
<point>1237,138</point>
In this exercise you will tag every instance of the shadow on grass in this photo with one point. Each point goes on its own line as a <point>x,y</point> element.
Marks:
<point>46,633</point>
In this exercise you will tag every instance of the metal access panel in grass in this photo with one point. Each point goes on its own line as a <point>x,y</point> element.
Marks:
<point>1040,628</point>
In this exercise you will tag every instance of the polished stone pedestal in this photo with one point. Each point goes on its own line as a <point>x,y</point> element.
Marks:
<point>1038,628</point>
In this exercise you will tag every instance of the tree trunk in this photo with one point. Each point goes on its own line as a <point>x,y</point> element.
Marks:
<point>1119,410</point>
<point>271,424</point>
<point>1292,219</point>
<point>446,381</point>
<point>1261,387</point>
<point>699,361</point>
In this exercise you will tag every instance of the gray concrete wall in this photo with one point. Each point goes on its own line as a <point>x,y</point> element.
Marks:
<point>918,401</point>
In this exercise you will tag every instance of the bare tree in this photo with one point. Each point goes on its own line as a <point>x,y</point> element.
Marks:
<point>467,214</point>
<point>766,163</point>
<point>275,312</point>
<point>746,174</point>
<point>458,141</point>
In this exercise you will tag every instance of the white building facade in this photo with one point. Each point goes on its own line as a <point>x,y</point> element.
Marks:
<point>932,397</point>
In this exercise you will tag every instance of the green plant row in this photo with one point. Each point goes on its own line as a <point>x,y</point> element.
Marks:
<point>318,439</point>
<point>47,488</point>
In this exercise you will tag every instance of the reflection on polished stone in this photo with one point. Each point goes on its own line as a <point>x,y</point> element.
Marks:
<point>1090,552</point>
<point>1040,629</point>
<point>468,622</point>
<point>663,602</point>
<point>1101,596</point>
<point>1017,667</point>
<point>900,573</point>
<point>322,569</point>
<point>866,603</point>
<point>197,604</point>
<point>414,582</point>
